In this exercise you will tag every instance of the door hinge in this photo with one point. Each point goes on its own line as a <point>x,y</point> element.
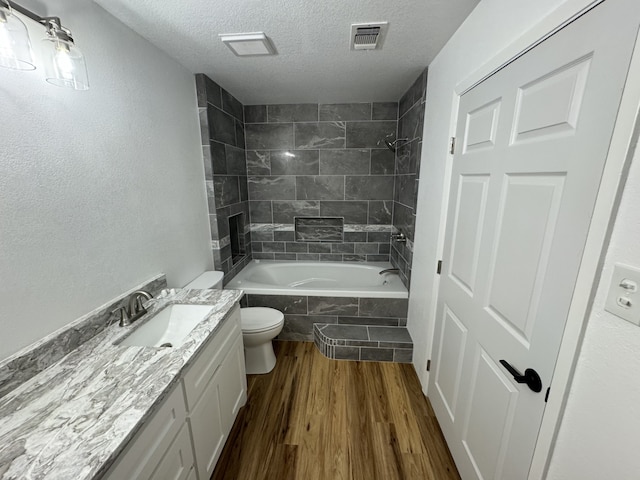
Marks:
<point>546,396</point>
<point>439,267</point>
<point>428,365</point>
<point>452,145</point>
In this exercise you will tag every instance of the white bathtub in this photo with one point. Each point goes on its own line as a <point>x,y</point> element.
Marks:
<point>328,279</point>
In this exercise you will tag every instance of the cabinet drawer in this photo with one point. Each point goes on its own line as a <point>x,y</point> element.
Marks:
<point>143,453</point>
<point>210,358</point>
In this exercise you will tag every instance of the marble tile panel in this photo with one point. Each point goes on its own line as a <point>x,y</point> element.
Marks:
<point>384,307</point>
<point>376,321</point>
<point>377,258</point>
<point>240,136</point>
<point>208,166</point>
<point>295,247</point>
<point>369,134</point>
<point>226,190</point>
<point>409,126</point>
<point>366,248</point>
<point>353,258</point>
<point>287,304</point>
<point>330,257</point>
<point>346,353</point>
<point>376,354</point>
<point>318,233</point>
<point>384,111</point>
<point>272,188</point>
<point>255,113</point>
<point>350,332</point>
<point>403,355</point>
<point>295,162</point>
<point>203,119</point>
<point>345,111</point>
<point>378,187</point>
<point>414,94</point>
<point>319,135</point>
<point>263,136</point>
<point>379,237</point>
<point>345,162</point>
<point>382,162</point>
<point>258,162</point>
<point>298,112</point>
<point>342,248</point>
<point>222,214</point>
<point>284,236</point>
<point>289,257</point>
<point>218,157</point>
<point>384,248</point>
<point>389,334</point>
<point>235,160</point>
<point>321,188</point>
<point>208,91</point>
<point>284,212</point>
<point>222,126</point>
<point>273,247</point>
<point>303,325</point>
<point>319,248</point>
<point>231,105</point>
<point>355,236</point>
<point>352,211</point>
<point>259,236</point>
<point>404,220</point>
<point>307,257</point>
<point>380,212</point>
<point>263,256</point>
<point>404,190</point>
<point>244,191</point>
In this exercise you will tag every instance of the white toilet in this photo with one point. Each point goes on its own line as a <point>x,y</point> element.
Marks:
<point>260,325</point>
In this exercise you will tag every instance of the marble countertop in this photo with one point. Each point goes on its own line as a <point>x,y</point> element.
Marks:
<point>73,419</point>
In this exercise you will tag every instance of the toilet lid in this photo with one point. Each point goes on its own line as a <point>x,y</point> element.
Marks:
<point>257,319</point>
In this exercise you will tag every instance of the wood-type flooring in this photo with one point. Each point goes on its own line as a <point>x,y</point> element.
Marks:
<point>313,418</point>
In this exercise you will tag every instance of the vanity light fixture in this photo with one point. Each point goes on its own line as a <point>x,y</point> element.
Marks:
<point>248,44</point>
<point>64,63</point>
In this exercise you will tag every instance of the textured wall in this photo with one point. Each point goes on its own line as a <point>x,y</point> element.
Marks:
<point>317,160</point>
<point>222,134</point>
<point>99,190</point>
<point>407,171</point>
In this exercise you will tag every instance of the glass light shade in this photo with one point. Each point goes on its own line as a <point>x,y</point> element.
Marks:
<point>15,46</point>
<point>64,64</point>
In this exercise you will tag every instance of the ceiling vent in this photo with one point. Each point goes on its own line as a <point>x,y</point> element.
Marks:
<point>368,36</point>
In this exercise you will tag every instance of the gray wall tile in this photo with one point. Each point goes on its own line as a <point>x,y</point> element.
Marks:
<point>222,126</point>
<point>345,111</point>
<point>380,213</point>
<point>231,105</point>
<point>299,112</point>
<point>258,162</point>
<point>383,307</point>
<point>295,162</point>
<point>320,188</point>
<point>352,211</point>
<point>385,111</point>
<point>345,162</point>
<point>378,187</point>
<point>263,136</point>
<point>369,134</point>
<point>376,354</point>
<point>260,212</point>
<point>255,113</point>
<point>287,304</point>
<point>382,162</point>
<point>319,135</point>
<point>272,188</point>
<point>284,212</point>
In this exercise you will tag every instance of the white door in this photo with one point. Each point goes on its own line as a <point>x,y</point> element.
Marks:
<point>532,141</point>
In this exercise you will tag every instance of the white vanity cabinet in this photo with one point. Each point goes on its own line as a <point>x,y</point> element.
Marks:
<point>185,436</point>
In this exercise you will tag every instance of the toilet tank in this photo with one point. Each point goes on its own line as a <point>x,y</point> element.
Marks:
<point>208,280</point>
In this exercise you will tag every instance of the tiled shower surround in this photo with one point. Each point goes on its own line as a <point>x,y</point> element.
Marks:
<point>222,132</point>
<point>410,124</point>
<point>321,160</point>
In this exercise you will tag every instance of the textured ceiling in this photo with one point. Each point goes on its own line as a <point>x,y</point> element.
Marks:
<point>314,62</point>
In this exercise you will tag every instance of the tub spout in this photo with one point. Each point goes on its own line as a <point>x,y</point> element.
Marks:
<point>390,270</point>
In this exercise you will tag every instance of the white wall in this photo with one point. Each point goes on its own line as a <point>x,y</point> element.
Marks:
<point>99,190</point>
<point>599,432</point>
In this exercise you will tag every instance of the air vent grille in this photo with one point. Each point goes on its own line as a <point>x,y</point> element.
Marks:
<point>367,36</point>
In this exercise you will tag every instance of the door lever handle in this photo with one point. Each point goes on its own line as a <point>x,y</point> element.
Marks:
<point>530,377</point>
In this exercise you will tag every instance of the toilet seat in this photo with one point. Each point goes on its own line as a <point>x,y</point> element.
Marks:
<point>260,319</point>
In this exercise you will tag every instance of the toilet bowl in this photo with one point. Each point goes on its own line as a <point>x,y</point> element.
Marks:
<point>260,325</point>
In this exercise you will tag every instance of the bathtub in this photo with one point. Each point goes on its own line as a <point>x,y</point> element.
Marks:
<point>324,279</point>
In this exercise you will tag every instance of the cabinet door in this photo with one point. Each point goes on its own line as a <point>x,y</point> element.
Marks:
<point>177,463</point>
<point>233,379</point>
<point>207,429</point>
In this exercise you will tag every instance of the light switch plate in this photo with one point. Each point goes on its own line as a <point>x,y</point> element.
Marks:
<point>623,299</point>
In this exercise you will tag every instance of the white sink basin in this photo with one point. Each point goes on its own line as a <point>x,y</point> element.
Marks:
<point>169,327</point>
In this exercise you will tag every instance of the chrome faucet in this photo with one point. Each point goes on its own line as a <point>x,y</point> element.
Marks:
<point>390,270</point>
<point>135,310</point>
<point>399,237</point>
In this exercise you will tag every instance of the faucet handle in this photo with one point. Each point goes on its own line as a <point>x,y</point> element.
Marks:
<point>124,315</point>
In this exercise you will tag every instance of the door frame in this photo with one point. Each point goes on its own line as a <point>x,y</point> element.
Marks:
<point>622,147</point>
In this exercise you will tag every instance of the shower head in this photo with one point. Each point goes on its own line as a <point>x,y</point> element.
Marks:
<point>392,145</point>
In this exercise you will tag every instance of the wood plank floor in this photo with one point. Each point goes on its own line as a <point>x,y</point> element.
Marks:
<point>313,418</point>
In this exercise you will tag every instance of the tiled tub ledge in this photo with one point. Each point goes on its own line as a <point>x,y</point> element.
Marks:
<point>363,342</point>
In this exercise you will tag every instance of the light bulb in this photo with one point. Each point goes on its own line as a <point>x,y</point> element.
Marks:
<point>15,46</point>
<point>63,62</point>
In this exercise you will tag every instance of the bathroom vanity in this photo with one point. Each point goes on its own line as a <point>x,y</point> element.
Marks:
<point>112,411</point>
